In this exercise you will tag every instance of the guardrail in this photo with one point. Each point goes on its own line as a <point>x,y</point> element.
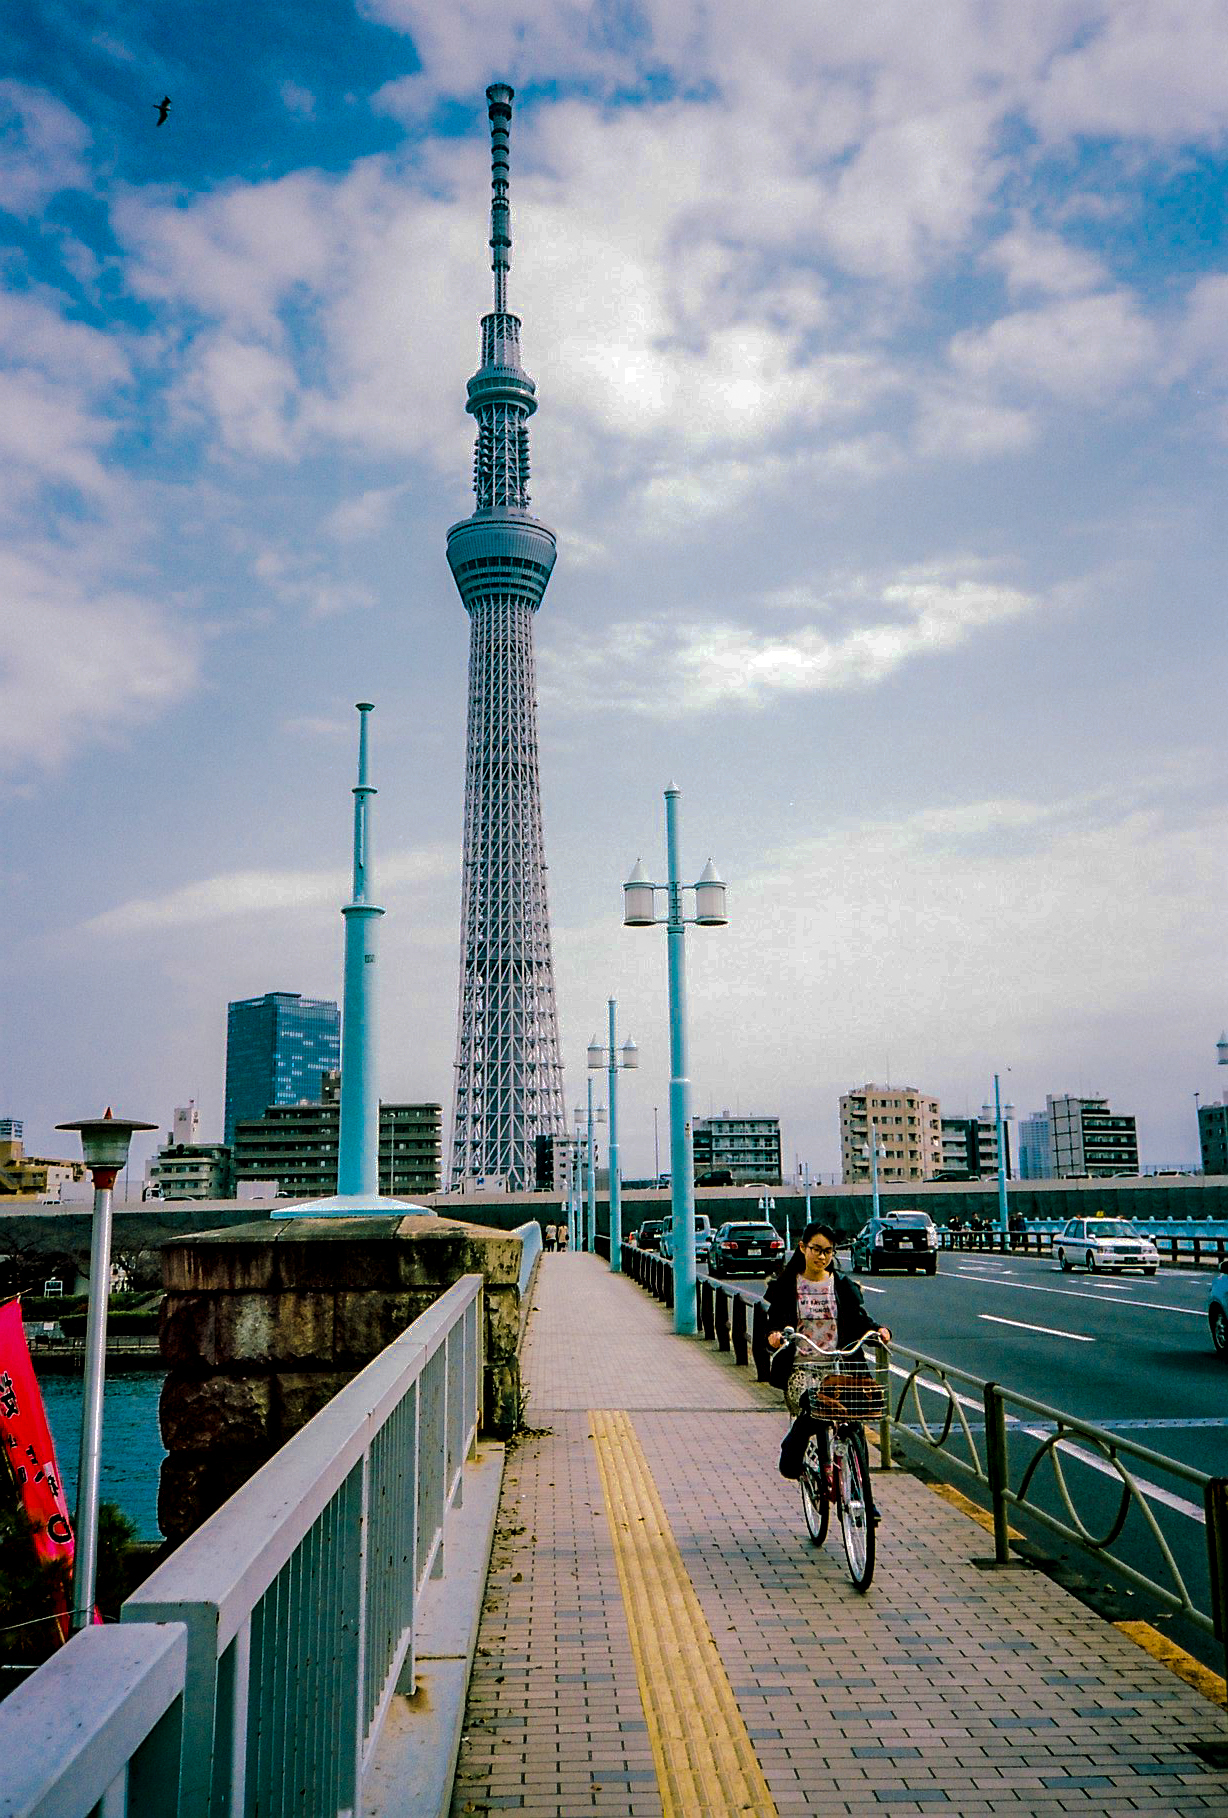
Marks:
<point>1058,1441</point>
<point>1201,1249</point>
<point>297,1601</point>
<point>531,1246</point>
<point>734,1318</point>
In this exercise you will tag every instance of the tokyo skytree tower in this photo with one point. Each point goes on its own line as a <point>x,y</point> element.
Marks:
<point>509,1078</point>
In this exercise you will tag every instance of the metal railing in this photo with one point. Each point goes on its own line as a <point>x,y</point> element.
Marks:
<point>296,1600</point>
<point>1177,1244</point>
<point>977,1453</point>
<point>531,1245</point>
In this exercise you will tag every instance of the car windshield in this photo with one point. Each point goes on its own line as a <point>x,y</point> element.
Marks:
<point>1111,1227</point>
<point>913,1221</point>
<point>751,1233</point>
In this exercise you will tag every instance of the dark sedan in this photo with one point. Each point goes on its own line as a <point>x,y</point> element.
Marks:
<point>745,1250</point>
<point>897,1240</point>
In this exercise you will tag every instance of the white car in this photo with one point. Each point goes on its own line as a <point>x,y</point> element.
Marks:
<point>1105,1243</point>
<point>703,1238</point>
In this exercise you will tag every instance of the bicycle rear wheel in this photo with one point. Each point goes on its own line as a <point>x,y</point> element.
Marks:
<point>856,1504</point>
<point>816,1505</point>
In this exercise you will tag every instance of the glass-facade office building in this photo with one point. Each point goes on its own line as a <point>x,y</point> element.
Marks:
<point>278,1049</point>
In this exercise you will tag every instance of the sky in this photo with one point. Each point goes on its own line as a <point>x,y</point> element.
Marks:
<point>882,362</point>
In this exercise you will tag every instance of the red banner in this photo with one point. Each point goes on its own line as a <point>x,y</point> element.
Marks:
<point>25,1441</point>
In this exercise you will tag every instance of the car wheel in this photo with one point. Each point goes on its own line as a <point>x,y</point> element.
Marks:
<point>1219,1330</point>
<point>1064,1262</point>
<point>1150,1271</point>
<point>1090,1260</point>
<point>873,1265</point>
<point>931,1268</point>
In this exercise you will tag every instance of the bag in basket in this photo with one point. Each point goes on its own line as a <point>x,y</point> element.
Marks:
<point>846,1395</point>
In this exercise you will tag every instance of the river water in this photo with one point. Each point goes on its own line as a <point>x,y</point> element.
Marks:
<point>132,1449</point>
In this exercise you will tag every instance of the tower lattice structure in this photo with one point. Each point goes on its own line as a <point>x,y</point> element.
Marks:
<point>509,1077</point>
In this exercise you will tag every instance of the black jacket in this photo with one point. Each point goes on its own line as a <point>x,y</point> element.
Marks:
<point>852,1320</point>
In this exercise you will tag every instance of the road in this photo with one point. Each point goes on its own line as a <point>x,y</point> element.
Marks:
<point>1130,1353</point>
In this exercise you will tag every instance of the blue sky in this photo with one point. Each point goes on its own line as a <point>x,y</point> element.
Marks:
<point>882,360</point>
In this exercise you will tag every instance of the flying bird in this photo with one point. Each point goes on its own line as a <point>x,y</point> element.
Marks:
<point>164,107</point>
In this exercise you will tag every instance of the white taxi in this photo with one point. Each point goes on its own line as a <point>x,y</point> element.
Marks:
<point>1105,1243</point>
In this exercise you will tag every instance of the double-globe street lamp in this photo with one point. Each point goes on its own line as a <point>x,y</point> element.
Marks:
<point>614,1060</point>
<point>104,1144</point>
<point>1000,1111</point>
<point>640,911</point>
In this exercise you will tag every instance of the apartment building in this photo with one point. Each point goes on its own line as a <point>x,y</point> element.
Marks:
<point>747,1147</point>
<point>908,1127</point>
<point>1087,1138</point>
<point>296,1146</point>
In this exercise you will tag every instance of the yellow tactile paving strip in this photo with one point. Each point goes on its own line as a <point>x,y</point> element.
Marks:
<point>705,1760</point>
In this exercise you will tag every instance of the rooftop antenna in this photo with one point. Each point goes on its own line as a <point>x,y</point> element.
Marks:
<point>499,107</point>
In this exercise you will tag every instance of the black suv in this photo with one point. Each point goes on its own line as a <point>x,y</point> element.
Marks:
<point>648,1237</point>
<point>745,1249</point>
<point>897,1240</point>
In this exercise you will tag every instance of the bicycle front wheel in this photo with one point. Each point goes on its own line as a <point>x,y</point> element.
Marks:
<point>815,1503</point>
<point>856,1506</point>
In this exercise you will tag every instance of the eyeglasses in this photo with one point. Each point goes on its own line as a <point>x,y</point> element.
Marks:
<point>820,1249</point>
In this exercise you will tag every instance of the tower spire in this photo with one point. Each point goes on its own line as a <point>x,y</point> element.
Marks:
<point>509,1076</point>
<point>499,97</point>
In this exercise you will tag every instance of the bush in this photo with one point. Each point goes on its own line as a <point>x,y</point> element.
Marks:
<point>29,1633</point>
<point>119,1325</point>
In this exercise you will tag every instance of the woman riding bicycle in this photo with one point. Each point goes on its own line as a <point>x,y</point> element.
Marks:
<point>812,1296</point>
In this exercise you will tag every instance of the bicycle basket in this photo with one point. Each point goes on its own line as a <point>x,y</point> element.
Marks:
<point>806,1376</point>
<point>845,1395</point>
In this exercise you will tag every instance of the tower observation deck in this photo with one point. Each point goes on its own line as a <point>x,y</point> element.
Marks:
<point>509,1078</point>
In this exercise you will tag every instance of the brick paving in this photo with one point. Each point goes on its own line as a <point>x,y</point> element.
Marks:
<point>949,1687</point>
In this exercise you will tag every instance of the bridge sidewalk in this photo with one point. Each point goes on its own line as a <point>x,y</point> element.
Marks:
<point>660,1639</point>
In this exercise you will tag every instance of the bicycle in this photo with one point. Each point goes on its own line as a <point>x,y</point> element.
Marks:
<point>838,1470</point>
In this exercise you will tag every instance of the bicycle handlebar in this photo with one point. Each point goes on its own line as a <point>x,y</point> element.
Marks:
<point>791,1336</point>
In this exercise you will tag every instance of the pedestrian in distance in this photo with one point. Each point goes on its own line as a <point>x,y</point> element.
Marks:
<point>811,1295</point>
<point>550,1237</point>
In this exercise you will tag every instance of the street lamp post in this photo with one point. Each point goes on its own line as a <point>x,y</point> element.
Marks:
<point>1000,1111</point>
<point>870,1150</point>
<point>591,1243</point>
<point>577,1236</point>
<point>767,1205</point>
<point>639,911</point>
<point>104,1144</point>
<point>586,1172</point>
<point>614,1061</point>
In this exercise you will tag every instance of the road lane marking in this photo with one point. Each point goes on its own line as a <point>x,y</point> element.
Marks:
<point>705,1760</point>
<point>867,1289</point>
<point>1152,1491</point>
<point>1049,1331</point>
<point>1150,1306</point>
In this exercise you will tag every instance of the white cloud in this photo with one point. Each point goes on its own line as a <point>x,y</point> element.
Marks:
<point>42,147</point>
<point>79,665</point>
<point>1083,348</point>
<point>1034,259</point>
<point>704,666</point>
<point>264,893</point>
<point>251,392</point>
<point>1141,68</point>
<point>364,514</point>
<point>302,580</point>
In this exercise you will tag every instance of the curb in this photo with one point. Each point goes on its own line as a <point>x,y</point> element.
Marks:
<point>415,1758</point>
